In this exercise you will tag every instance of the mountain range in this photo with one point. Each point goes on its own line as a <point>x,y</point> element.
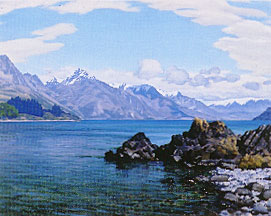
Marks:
<point>90,98</point>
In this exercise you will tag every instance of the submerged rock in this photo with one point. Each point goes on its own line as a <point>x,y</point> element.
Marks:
<point>137,148</point>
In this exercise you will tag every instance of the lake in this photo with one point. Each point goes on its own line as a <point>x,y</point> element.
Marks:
<point>57,168</point>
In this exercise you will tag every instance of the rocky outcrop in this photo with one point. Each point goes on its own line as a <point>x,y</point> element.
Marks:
<point>203,143</point>
<point>255,146</point>
<point>137,148</point>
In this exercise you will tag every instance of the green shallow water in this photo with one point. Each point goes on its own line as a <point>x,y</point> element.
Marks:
<point>57,168</point>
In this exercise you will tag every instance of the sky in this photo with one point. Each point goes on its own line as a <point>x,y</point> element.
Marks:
<point>216,51</point>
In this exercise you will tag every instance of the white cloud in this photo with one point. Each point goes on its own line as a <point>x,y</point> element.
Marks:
<point>206,12</point>
<point>52,32</point>
<point>20,49</point>
<point>214,70</point>
<point>149,68</point>
<point>200,80</point>
<point>250,46</point>
<point>177,75</point>
<point>7,6</point>
<point>85,6</point>
<point>66,6</point>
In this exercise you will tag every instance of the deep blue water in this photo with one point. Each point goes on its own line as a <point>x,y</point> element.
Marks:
<point>57,168</point>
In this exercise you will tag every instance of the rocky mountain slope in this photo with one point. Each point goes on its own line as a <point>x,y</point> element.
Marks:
<point>265,116</point>
<point>90,98</point>
<point>13,83</point>
<point>93,99</point>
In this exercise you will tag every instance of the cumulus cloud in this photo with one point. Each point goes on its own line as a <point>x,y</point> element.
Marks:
<point>252,86</point>
<point>149,68</point>
<point>177,75</point>
<point>200,80</point>
<point>213,70</point>
<point>213,75</point>
<point>20,49</point>
<point>232,77</point>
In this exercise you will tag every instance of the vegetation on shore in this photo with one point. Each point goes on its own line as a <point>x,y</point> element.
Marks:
<point>30,109</point>
<point>7,111</point>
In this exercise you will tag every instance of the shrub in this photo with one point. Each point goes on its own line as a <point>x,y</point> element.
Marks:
<point>8,111</point>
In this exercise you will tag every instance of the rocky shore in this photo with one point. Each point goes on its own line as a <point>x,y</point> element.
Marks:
<point>242,192</point>
<point>240,163</point>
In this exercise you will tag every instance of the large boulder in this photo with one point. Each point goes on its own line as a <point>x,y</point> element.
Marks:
<point>203,142</point>
<point>137,148</point>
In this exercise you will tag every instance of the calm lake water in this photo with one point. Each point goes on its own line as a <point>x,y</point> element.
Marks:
<point>57,168</point>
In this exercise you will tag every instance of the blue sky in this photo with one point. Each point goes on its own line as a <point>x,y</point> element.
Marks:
<point>215,51</point>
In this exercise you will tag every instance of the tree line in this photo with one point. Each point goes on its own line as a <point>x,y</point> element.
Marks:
<point>17,105</point>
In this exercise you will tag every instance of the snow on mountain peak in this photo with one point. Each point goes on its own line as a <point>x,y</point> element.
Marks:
<point>78,75</point>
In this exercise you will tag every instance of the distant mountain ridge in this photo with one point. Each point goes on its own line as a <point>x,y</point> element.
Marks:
<point>246,111</point>
<point>90,98</point>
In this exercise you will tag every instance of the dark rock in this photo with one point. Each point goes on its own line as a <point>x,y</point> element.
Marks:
<point>245,201</point>
<point>255,187</point>
<point>168,181</point>
<point>256,141</point>
<point>110,156</point>
<point>203,142</point>
<point>267,178</point>
<point>230,166</point>
<point>243,191</point>
<point>219,178</point>
<point>137,148</point>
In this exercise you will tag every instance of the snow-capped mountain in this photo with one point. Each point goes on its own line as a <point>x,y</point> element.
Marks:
<point>145,90</point>
<point>90,98</point>
<point>78,75</point>
<point>13,83</point>
<point>94,99</point>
